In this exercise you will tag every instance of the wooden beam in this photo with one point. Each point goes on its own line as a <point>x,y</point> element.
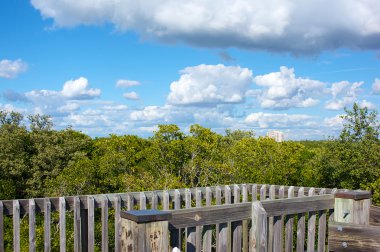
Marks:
<point>352,237</point>
<point>242,211</point>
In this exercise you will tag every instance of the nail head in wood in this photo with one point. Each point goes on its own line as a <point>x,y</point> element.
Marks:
<point>144,216</point>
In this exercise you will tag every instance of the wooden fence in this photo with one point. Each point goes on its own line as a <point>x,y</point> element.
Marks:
<point>301,227</point>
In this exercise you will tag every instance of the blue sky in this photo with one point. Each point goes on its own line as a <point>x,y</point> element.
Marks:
<point>123,67</point>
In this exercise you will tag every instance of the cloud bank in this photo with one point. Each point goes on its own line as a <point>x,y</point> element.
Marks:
<point>296,26</point>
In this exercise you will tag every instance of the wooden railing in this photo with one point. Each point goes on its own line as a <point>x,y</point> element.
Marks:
<point>217,218</point>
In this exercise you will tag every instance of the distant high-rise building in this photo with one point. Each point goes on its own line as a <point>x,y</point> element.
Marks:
<point>278,136</point>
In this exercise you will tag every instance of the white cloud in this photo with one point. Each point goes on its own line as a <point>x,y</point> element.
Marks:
<point>335,122</point>
<point>282,90</point>
<point>149,113</point>
<point>295,26</point>
<point>376,86</point>
<point>344,93</point>
<point>78,89</point>
<point>367,104</point>
<point>131,96</point>
<point>11,69</point>
<point>210,85</point>
<point>269,120</point>
<point>69,107</point>
<point>127,83</point>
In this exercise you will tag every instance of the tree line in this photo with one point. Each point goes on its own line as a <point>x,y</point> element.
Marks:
<point>38,161</point>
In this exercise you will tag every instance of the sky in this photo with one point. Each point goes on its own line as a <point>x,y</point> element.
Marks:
<point>124,66</point>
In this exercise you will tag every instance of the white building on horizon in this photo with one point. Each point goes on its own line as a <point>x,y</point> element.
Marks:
<point>278,136</point>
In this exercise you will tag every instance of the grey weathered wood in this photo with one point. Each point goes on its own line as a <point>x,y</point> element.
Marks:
<point>352,211</point>
<point>142,201</point>
<point>190,231</point>
<point>77,239</point>
<point>311,226</point>
<point>263,192</point>
<point>62,224</point>
<point>258,242</point>
<point>165,200</point>
<point>47,221</point>
<point>8,204</point>
<point>353,237</point>
<point>198,232</point>
<point>278,226</point>
<point>237,225</point>
<point>104,217</point>
<point>154,200</point>
<point>272,196</point>
<point>242,211</point>
<point>301,226</point>
<point>32,226</point>
<point>91,223</point>
<point>176,234</point>
<point>331,215</point>
<point>245,234</point>
<point>218,201</point>
<point>16,226</point>
<point>289,225</point>
<point>254,192</point>
<point>374,215</point>
<point>207,234</point>
<point>1,227</point>
<point>117,224</point>
<point>144,237</point>
<point>322,227</point>
<point>130,202</point>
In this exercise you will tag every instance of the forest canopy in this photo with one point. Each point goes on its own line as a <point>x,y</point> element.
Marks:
<point>38,161</point>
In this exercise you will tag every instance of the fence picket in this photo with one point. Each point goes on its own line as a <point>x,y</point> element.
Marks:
<point>1,227</point>
<point>198,232</point>
<point>218,201</point>
<point>47,220</point>
<point>62,224</point>
<point>176,234</point>
<point>301,226</point>
<point>207,235</point>
<point>77,240</point>
<point>104,223</point>
<point>117,224</point>
<point>322,227</point>
<point>142,201</point>
<point>311,226</point>
<point>244,192</point>
<point>32,225</point>
<point>278,226</point>
<point>272,195</point>
<point>91,223</point>
<point>237,225</point>
<point>289,225</point>
<point>190,231</point>
<point>16,226</point>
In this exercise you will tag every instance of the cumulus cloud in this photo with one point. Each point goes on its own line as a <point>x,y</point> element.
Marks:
<point>69,107</point>
<point>78,89</point>
<point>376,86</point>
<point>301,27</point>
<point>149,113</point>
<point>11,69</point>
<point>282,90</point>
<point>335,122</point>
<point>367,104</point>
<point>343,94</point>
<point>210,85</point>
<point>131,96</point>
<point>127,83</point>
<point>270,120</point>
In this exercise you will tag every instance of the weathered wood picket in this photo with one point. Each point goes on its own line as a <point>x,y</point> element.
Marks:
<point>218,218</point>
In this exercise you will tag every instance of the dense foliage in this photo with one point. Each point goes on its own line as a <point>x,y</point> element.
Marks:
<point>38,161</point>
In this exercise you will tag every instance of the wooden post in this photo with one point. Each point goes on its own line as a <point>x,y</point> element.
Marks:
<point>351,210</point>
<point>352,207</point>
<point>145,230</point>
<point>259,228</point>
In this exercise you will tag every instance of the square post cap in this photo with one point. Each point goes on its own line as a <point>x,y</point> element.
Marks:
<point>145,216</point>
